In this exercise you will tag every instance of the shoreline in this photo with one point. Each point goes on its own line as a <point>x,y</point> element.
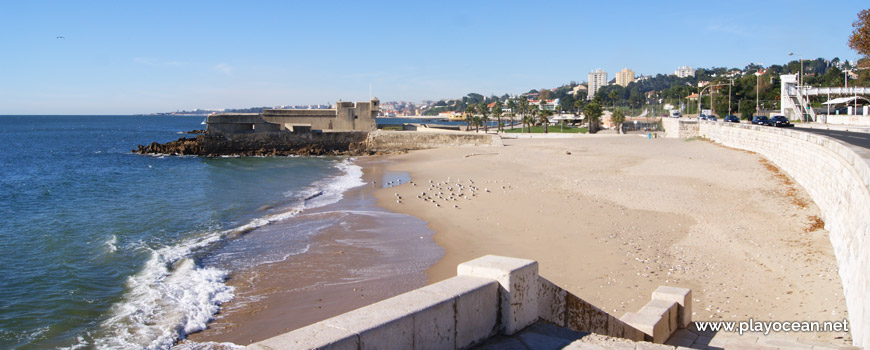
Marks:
<point>610,219</point>
<point>360,259</point>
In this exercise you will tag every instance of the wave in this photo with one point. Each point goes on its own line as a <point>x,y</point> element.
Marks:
<point>173,296</point>
<point>111,244</point>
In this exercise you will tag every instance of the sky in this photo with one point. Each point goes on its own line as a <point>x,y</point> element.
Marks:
<point>129,57</point>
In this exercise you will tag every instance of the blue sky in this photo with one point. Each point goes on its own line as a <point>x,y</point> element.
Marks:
<point>124,57</point>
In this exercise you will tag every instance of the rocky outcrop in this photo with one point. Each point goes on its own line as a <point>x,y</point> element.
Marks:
<point>180,147</point>
<point>272,144</point>
<point>353,143</point>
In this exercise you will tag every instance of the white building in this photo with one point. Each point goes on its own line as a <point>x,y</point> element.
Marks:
<point>551,105</point>
<point>685,72</point>
<point>597,79</point>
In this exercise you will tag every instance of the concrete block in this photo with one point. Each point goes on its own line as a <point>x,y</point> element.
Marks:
<point>654,327</point>
<point>681,296</point>
<point>518,292</point>
<point>316,336</point>
<point>390,324</point>
<point>476,302</point>
<point>435,327</point>
<point>618,328</point>
<point>667,310</point>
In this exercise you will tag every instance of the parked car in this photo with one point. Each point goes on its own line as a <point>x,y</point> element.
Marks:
<point>781,120</point>
<point>676,114</point>
<point>702,117</point>
<point>731,119</point>
<point>712,118</point>
<point>762,120</point>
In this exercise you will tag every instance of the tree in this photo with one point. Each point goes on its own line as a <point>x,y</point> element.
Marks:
<point>613,95</point>
<point>720,106</point>
<point>497,112</point>
<point>469,117</point>
<point>484,115</point>
<point>618,118</point>
<point>746,109</point>
<point>512,106</point>
<point>533,113</point>
<point>578,105</point>
<point>592,111</point>
<point>544,117</point>
<point>860,38</point>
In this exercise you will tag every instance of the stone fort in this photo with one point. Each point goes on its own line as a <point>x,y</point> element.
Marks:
<point>346,116</point>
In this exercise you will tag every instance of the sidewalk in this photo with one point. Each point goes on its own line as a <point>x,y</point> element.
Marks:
<point>851,128</point>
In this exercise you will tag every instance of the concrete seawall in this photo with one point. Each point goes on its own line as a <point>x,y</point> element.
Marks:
<point>837,177</point>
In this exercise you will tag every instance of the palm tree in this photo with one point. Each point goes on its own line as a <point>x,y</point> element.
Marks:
<point>512,106</point>
<point>524,106</point>
<point>613,95</point>
<point>497,112</point>
<point>484,111</point>
<point>592,112</point>
<point>533,113</point>
<point>469,116</point>
<point>618,118</point>
<point>578,104</point>
<point>476,124</point>
<point>544,116</point>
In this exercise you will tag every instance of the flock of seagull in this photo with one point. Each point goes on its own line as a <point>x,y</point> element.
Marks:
<point>444,191</point>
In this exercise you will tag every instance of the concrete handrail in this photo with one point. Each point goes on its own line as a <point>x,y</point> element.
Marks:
<point>490,295</point>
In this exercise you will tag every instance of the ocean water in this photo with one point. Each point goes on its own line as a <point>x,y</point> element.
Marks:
<point>102,248</point>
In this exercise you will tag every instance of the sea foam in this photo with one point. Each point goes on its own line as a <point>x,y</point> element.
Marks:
<point>172,296</point>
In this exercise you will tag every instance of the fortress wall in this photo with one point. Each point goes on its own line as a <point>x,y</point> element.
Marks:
<point>281,141</point>
<point>837,177</point>
<point>382,140</point>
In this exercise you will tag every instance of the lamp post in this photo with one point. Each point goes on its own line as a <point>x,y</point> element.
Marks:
<point>729,95</point>
<point>757,108</point>
<point>801,84</point>
<point>801,77</point>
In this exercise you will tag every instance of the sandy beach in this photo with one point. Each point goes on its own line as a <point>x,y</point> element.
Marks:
<point>609,218</point>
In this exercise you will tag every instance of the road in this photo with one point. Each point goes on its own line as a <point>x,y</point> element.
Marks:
<point>860,139</point>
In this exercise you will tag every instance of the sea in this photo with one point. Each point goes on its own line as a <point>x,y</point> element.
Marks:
<point>102,248</point>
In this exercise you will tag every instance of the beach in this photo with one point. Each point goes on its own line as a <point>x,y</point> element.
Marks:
<point>361,254</point>
<point>608,217</point>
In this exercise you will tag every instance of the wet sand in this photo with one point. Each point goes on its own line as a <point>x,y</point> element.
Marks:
<point>371,255</point>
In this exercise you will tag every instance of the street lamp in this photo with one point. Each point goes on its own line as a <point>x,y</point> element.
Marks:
<point>801,85</point>
<point>801,77</point>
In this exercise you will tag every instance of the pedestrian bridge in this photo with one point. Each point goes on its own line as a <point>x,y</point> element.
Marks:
<point>795,102</point>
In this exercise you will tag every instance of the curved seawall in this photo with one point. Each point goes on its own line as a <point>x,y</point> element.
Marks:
<point>837,177</point>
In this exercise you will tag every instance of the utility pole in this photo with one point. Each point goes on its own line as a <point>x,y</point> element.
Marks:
<point>729,95</point>
<point>757,110</point>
